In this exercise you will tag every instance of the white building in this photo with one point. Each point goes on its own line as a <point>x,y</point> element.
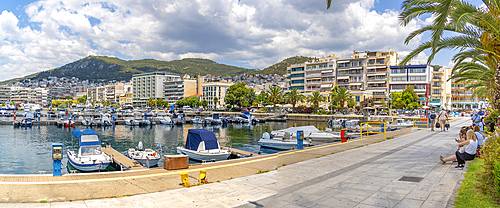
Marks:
<point>177,89</point>
<point>150,85</point>
<point>418,76</point>
<point>213,90</point>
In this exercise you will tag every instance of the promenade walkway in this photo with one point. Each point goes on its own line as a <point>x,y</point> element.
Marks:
<point>368,176</point>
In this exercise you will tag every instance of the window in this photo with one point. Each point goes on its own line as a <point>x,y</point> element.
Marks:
<point>296,75</point>
<point>298,87</point>
<point>357,98</point>
<point>417,70</point>
<point>297,81</point>
<point>399,79</point>
<point>343,65</point>
<point>398,87</point>
<point>417,78</point>
<point>298,69</point>
<point>436,92</point>
<point>398,71</point>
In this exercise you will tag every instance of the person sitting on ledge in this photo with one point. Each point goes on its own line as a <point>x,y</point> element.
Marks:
<point>467,151</point>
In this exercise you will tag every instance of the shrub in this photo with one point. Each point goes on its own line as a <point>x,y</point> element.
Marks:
<point>492,116</point>
<point>496,174</point>
<point>491,154</point>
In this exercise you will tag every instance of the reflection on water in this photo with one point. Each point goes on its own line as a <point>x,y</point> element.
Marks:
<point>27,150</point>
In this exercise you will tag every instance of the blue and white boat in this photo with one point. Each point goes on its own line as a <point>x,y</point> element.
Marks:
<point>26,122</point>
<point>202,145</point>
<point>90,156</point>
<point>281,143</point>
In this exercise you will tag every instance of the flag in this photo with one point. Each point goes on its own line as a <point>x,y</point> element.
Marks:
<point>159,146</point>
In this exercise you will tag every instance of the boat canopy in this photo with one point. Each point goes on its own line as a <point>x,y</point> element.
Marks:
<point>197,136</point>
<point>311,129</point>
<point>87,137</point>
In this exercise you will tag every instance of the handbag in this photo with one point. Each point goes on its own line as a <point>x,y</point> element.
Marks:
<point>438,125</point>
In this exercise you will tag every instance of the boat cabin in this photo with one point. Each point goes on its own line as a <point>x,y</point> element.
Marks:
<point>90,144</point>
<point>202,140</point>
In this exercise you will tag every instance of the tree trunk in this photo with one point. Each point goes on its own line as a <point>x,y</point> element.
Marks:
<point>293,106</point>
<point>496,92</point>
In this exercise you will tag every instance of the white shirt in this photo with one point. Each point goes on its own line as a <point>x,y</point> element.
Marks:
<point>471,148</point>
<point>442,115</point>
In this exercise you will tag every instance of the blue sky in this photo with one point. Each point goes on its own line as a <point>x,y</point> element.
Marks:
<point>41,35</point>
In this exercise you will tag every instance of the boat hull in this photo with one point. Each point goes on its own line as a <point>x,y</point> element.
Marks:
<point>89,167</point>
<point>279,144</point>
<point>145,163</point>
<point>197,156</point>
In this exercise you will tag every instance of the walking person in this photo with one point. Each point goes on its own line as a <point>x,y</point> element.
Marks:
<point>432,119</point>
<point>476,118</point>
<point>442,117</point>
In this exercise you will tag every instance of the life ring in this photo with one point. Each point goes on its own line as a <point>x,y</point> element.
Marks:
<point>154,154</point>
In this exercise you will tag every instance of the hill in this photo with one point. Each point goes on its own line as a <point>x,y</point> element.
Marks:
<point>103,68</point>
<point>280,68</point>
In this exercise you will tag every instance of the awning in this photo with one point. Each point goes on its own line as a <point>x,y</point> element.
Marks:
<point>346,61</point>
<point>358,67</point>
<point>435,104</point>
<point>376,74</point>
<point>371,67</point>
<point>327,71</point>
<point>343,77</point>
<point>381,67</point>
<point>355,83</point>
<point>376,90</point>
<point>326,85</point>
<point>343,69</point>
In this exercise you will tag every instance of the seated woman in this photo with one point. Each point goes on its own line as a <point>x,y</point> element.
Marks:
<point>468,153</point>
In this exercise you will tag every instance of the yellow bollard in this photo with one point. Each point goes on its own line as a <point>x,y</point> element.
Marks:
<point>184,178</point>
<point>203,176</point>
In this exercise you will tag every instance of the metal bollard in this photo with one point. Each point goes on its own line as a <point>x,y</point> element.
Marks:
<point>203,176</point>
<point>300,142</point>
<point>184,178</point>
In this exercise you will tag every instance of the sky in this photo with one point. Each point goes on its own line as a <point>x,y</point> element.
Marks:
<point>41,35</point>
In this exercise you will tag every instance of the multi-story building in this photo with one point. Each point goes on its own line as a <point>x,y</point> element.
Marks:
<point>4,94</point>
<point>25,95</point>
<point>114,91</point>
<point>296,77</point>
<point>126,97</point>
<point>461,97</point>
<point>96,94</point>
<point>418,76</point>
<point>213,90</point>
<point>178,89</point>
<point>314,75</point>
<point>149,85</point>
<point>441,88</point>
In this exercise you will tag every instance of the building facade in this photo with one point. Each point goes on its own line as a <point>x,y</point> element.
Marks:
<point>211,90</point>
<point>417,76</point>
<point>178,89</point>
<point>461,97</point>
<point>441,88</point>
<point>25,95</point>
<point>314,75</point>
<point>4,94</point>
<point>149,85</point>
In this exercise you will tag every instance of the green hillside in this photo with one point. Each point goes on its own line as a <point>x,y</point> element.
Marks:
<point>280,68</point>
<point>103,68</point>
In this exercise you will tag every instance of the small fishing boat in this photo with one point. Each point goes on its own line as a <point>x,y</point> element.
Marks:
<point>67,122</point>
<point>166,120</point>
<point>309,132</point>
<point>197,120</point>
<point>282,143</point>
<point>401,123</point>
<point>213,118</point>
<point>133,122</point>
<point>26,122</point>
<point>90,156</point>
<point>202,145</point>
<point>104,120</point>
<point>147,157</point>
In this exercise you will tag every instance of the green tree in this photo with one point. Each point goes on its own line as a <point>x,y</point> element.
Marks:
<point>82,99</point>
<point>397,100</point>
<point>473,31</point>
<point>216,101</point>
<point>204,103</point>
<point>263,98</point>
<point>151,102</point>
<point>250,97</point>
<point>275,95</point>
<point>159,102</point>
<point>236,94</point>
<point>293,97</point>
<point>342,96</point>
<point>316,98</point>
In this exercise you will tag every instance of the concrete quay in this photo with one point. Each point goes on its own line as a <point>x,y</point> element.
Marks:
<point>360,173</point>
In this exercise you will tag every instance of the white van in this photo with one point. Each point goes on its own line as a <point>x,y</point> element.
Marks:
<point>186,108</point>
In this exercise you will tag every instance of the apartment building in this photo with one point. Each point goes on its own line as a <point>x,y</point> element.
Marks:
<point>461,97</point>
<point>296,77</point>
<point>441,88</point>
<point>149,85</point>
<point>314,75</point>
<point>25,95</point>
<point>126,97</point>
<point>96,94</point>
<point>211,90</point>
<point>4,94</point>
<point>177,89</point>
<point>351,73</point>
<point>109,93</point>
<point>418,76</point>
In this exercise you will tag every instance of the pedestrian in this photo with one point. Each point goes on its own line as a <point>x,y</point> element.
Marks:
<point>476,118</point>
<point>442,117</point>
<point>432,119</point>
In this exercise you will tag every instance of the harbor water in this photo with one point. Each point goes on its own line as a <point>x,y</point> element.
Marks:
<point>28,150</point>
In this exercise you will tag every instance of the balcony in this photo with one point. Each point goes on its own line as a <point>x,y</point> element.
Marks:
<point>313,75</point>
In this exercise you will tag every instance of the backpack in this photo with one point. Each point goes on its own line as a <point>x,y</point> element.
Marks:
<point>433,116</point>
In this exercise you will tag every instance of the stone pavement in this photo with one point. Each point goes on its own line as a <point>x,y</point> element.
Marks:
<point>368,176</point>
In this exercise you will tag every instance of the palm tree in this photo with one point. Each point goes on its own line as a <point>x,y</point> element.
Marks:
<point>328,4</point>
<point>316,98</point>
<point>294,96</point>
<point>275,95</point>
<point>216,100</point>
<point>475,32</point>
<point>342,96</point>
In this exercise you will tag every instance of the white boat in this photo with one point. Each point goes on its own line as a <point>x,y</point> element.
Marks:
<point>147,157</point>
<point>87,122</point>
<point>213,118</point>
<point>104,120</point>
<point>282,143</point>
<point>166,120</point>
<point>352,124</point>
<point>197,120</point>
<point>400,123</point>
<point>90,156</point>
<point>202,145</point>
<point>309,132</point>
<point>133,122</point>
<point>68,122</point>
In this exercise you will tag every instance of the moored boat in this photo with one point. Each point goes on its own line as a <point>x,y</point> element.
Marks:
<point>90,156</point>
<point>282,143</point>
<point>309,132</point>
<point>202,145</point>
<point>147,157</point>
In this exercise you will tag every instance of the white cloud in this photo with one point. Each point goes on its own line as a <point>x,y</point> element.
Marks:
<point>257,33</point>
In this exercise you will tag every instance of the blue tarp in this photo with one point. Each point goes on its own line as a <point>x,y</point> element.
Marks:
<point>87,140</point>
<point>196,136</point>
